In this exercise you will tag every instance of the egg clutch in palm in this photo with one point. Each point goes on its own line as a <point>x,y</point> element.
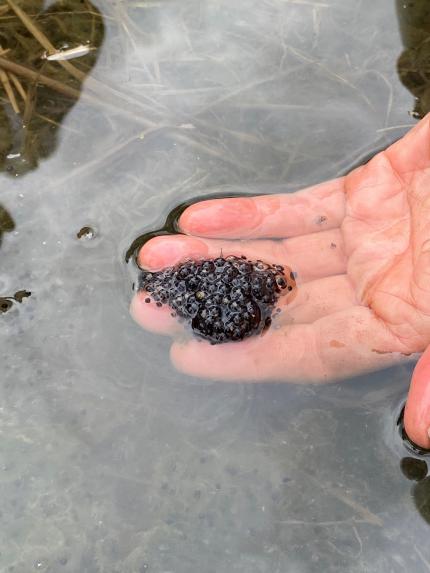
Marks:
<point>224,299</point>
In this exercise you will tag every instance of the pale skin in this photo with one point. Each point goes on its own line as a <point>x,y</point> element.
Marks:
<point>360,246</point>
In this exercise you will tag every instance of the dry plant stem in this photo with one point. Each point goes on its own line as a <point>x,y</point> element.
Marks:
<point>93,84</point>
<point>18,86</point>
<point>68,91</point>
<point>29,106</point>
<point>53,122</point>
<point>73,93</point>
<point>29,74</point>
<point>9,91</point>
<point>25,72</point>
<point>97,161</point>
<point>99,89</point>
<point>31,27</point>
<point>43,40</point>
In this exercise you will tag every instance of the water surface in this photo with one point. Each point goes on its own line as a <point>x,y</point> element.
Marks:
<point>110,460</point>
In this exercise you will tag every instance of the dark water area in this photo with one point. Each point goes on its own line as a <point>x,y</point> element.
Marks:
<point>110,460</point>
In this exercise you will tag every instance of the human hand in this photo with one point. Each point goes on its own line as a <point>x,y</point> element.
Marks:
<point>361,248</point>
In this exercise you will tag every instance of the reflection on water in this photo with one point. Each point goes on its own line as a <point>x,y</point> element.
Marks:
<point>416,470</point>
<point>35,93</point>
<point>7,224</point>
<point>414,63</point>
<point>421,493</point>
<point>112,462</point>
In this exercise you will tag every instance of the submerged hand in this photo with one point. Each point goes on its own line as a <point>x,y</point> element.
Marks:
<point>361,248</point>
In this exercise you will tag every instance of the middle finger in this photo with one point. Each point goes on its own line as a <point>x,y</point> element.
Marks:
<point>312,256</point>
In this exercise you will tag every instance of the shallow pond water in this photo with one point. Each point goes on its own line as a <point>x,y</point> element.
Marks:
<point>111,461</point>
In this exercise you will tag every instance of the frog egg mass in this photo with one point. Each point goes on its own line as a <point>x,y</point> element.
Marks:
<point>223,299</point>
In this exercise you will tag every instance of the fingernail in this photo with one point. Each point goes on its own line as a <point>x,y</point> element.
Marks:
<point>165,251</point>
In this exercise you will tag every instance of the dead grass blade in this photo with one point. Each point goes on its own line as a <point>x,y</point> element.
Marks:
<point>18,86</point>
<point>4,78</point>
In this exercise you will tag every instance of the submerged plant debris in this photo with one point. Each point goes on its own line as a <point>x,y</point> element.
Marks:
<point>86,233</point>
<point>6,302</point>
<point>35,92</point>
<point>414,63</point>
<point>223,299</point>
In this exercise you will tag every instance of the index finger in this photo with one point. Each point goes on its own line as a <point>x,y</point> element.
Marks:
<point>310,210</point>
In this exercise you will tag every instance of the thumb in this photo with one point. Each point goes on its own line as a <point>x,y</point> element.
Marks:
<point>417,410</point>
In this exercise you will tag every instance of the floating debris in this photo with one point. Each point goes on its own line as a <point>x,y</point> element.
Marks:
<point>20,295</point>
<point>68,54</point>
<point>86,233</point>
<point>6,302</point>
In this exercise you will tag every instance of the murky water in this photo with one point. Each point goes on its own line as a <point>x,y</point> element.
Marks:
<point>110,460</point>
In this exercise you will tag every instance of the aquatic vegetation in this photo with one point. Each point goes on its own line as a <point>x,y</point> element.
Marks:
<point>223,299</point>
<point>6,302</point>
<point>36,92</point>
<point>414,63</point>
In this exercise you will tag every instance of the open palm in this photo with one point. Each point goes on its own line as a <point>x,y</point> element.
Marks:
<point>361,248</point>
